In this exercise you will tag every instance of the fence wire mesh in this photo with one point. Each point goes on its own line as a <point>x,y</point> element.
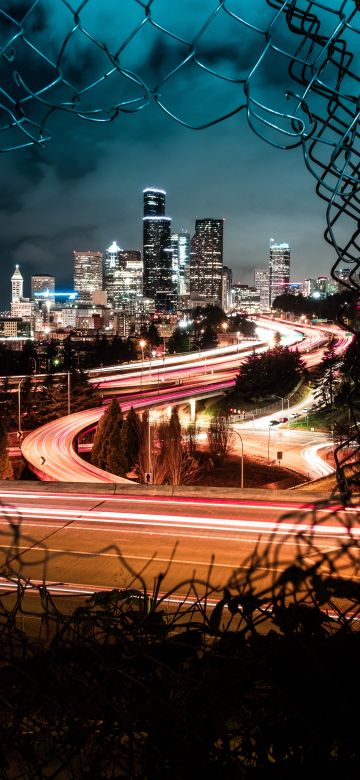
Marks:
<point>253,679</point>
<point>142,682</point>
<point>54,59</point>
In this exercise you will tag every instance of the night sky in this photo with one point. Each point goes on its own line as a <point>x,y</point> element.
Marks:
<point>84,188</point>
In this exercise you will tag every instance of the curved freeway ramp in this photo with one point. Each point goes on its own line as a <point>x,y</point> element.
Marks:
<point>50,453</point>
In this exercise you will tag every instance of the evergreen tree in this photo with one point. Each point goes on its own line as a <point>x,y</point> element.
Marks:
<point>324,379</point>
<point>209,337</point>
<point>6,469</point>
<point>68,354</point>
<point>269,373</point>
<point>108,449</point>
<point>51,352</point>
<point>153,335</point>
<point>131,437</point>
<point>179,341</point>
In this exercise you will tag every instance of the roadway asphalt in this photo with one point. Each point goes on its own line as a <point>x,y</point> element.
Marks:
<point>91,540</point>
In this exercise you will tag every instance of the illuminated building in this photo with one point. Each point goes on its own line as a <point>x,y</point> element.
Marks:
<point>206,265</point>
<point>43,283</point>
<point>226,290</point>
<point>279,269</point>
<point>14,328</point>
<point>180,244</point>
<point>261,283</point>
<point>158,280</point>
<point>123,278</point>
<point>17,285</point>
<point>245,299</point>
<point>88,274</point>
<point>309,286</point>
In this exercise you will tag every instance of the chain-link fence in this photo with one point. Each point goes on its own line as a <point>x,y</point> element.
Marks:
<point>260,679</point>
<point>291,65</point>
<point>252,679</point>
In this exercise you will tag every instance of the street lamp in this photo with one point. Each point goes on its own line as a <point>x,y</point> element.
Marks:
<point>142,344</point>
<point>68,392</point>
<point>19,405</point>
<point>282,401</point>
<point>242,455</point>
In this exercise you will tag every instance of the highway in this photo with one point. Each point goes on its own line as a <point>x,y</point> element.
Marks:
<point>81,541</point>
<point>50,452</point>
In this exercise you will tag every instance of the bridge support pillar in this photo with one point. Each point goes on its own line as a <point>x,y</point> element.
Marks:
<point>192,409</point>
<point>168,411</point>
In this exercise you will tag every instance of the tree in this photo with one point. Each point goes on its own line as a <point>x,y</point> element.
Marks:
<point>179,341</point>
<point>108,449</point>
<point>219,435</point>
<point>324,380</point>
<point>245,326</point>
<point>209,338</point>
<point>269,373</point>
<point>153,335</point>
<point>6,469</point>
<point>132,437</point>
<point>68,354</point>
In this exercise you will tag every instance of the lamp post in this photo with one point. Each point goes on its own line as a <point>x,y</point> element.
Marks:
<point>282,402</point>
<point>149,443</point>
<point>242,455</point>
<point>268,457</point>
<point>142,344</point>
<point>68,392</point>
<point>19,404</point>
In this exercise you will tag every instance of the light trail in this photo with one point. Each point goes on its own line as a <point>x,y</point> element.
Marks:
<point>50,451</point>
<point>286,505</point>
<point>315,461</point>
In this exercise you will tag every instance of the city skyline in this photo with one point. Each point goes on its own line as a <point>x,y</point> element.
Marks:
<point>83,189</point>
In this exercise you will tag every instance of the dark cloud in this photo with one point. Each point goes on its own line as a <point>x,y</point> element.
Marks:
<point>36,20</point>
<point>84,189</point>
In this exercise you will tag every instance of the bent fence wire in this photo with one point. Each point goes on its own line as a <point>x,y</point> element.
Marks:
<point>257,676</point>
<point>291,65</point>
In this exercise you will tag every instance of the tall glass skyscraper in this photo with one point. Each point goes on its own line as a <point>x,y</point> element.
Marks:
<point>88,274</point>
<point>157,253</point>
<point>206,266</point>
<point>279,269</point>
<point>180,244</point>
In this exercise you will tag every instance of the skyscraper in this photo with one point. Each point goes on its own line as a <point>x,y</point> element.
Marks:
<point>123,277</point>
<point>261,283</point>
<point>17,286</point>
<point>111,269</point>
<point>45,284</point>
<point>279,269</point>
<point>207,263</point>
<point>157,255</point>
<point>180,244</point>
<point>88,275</point>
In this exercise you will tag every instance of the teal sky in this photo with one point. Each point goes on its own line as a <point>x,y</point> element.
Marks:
<point>84,188</point>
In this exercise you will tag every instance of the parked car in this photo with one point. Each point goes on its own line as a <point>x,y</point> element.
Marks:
<point>274,422</point>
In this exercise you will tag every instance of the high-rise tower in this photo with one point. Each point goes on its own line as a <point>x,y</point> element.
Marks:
<point>279,269</point>
<point>43,288</point>
<point>88,275</point>
<point>157,254</point>
<point>123,272</point>
<point>180,244</point>
<point>207,262</point>
<point>17,286</point>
